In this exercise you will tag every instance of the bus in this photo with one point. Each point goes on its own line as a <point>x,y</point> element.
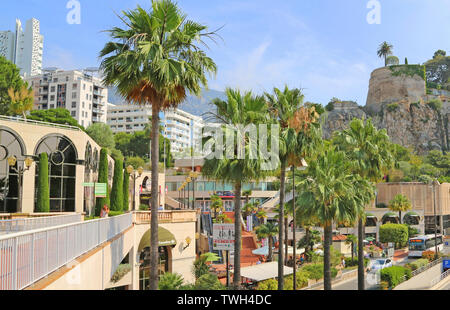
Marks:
<point>420,244</point>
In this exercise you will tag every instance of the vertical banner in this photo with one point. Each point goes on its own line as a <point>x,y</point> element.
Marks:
<point>250,223</point>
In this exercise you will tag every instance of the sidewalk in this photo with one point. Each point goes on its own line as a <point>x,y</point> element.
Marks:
<point>400,255</point>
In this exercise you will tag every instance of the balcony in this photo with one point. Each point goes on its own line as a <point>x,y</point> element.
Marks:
<point>144,217</point>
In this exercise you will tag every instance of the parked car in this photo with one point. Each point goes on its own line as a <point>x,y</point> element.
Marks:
<point>381,263</point>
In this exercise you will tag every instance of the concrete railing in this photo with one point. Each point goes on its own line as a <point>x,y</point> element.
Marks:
<point>24,224</point>
<point>33,122</point>
<point>144,217</point>
<point>27,257</point>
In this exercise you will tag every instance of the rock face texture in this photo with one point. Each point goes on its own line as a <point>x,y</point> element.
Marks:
<point>398,103</point>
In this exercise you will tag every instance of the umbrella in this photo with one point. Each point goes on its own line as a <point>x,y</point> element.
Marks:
<point>262,251</point>
<point>370,239</point>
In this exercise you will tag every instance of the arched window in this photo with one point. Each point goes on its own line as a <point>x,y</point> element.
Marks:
<point>88,191</point>
<point>10,145</point>
<point>62,171</point>
<point>95,161</point>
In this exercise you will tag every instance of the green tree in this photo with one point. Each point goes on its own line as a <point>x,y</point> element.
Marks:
<point>268,231</point>
<point>9,78</point>
<point>136,162</point>
<point>396,233</point>
<point>209,282</point>
<point>102,178</point>
<point>400,203</point>
<point>216,204</point>
<point>289,112</point>
<point>439,53</point>
<point>56,116</point>
<point>370,150</point>
<point>126,190</point>
<point>384,50</point>
<point>156,60</point>
<point>438,69</point>
<point>332,193</point>
<point>21,100</point>
<point>43,193</point>
<point>102,134</point>
<point>117,186</point>
<point>239,109</point>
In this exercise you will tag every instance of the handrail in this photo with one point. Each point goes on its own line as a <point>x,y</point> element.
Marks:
<point>26,257</point>
<point>24,224</point>
<point>30,121</point>
<point>424,268</point>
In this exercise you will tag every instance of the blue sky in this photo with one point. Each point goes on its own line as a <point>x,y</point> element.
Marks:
<point>326,47</point>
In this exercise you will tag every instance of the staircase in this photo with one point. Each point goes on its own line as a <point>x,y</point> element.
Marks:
<point>272,203</point>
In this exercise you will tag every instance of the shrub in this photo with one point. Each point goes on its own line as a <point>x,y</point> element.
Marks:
<point>412,232</point>
<point>381,205</point>
<point>397,233</point>
<point>268,285</point>
<point>334,272</point>
<point>208,281</point>
<point>392,107</point>
<point>170,282</point>
<point>329,107</point>
<point>115,213</point>
<point>302,281</point>
<point>384,285</point>
<point>43,193</point>
<point>349,262</point>
<point>425,179</point>
<point>143,207</point>
<point>435,104</point>
<point>429,255</point>
<point>121,271</point>
<point>117,186</point>
<point>418,264</point>
<point>395,275</point>
<point>102,178</point>
<point>126,190</point>
<point>314,271</point>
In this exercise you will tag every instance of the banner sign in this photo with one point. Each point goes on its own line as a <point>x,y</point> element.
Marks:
<point>223,237</point>
<point>101,190</point>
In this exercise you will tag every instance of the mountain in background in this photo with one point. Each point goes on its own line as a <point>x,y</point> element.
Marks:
<point>194,105</point>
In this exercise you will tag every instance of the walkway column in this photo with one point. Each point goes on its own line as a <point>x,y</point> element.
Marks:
<point>134,269</point>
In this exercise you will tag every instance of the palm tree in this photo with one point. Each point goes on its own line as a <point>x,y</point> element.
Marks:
<point>400,203</point>
<point>216,204</point>
<point>352,240</point>
<point>239,109</point>
<point>293,116</point>
<point>269,231</point>
<point>248,209</point>
<point>385,50</point>
<point>331,193</point>
<point>156,60</point>
<point>261,215</point>
<point>370,149</point>
<point>247,194</point>
<point>21,100</point>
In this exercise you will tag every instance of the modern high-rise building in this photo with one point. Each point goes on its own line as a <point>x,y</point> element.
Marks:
<point>78,91</point>
<point>183,129</point>
<point>24,48</point>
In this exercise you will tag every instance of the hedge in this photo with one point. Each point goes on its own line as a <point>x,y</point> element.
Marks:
<point>102,178</point>
<point>397,233</point>
<point>43,191</point>
<point>126,190</point>
<point>314,271</point>
<point>117,186</point>
<point>395,275</point>
<point>349,262</point>
<point>418,264</point>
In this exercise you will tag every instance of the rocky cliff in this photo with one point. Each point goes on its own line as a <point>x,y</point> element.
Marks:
<point>398,101</point>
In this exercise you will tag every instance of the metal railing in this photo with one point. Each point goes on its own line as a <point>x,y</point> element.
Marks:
<point>24,224</point>
<point>33,122</point>
<point>29,256</point>
<point>440,278</point>
<point>422,269</point>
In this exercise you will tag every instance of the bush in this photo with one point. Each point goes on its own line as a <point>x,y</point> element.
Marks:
<point>115,213</point>
<point>392,107</point>
<point>349,262</point>
<point>170,282</point>
<point>302,281</point>
<point>425,179</point>
<point>43,193</point>
<point>381,205</point>
<point>412,232</point>
<point>314,271</point>
<point>418,264</point>
<point>143,207</point>
<point>117,186</point>
<point>210,282</point>
<point>395,275</point>
<point>268,285</point>
<point>397,233</point>
<point>435,104</point>
<point>334,272</point>
<point>429,255</point>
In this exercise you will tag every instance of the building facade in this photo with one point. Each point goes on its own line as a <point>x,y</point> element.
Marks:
<point>128,118</point>
<point>77,91</point>
<point>24,48</point>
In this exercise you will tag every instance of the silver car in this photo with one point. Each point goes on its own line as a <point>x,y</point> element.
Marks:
<point>381,263</point>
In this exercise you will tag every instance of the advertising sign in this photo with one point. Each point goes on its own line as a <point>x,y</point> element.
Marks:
<point>100,190</point>
<point>223,237</point>
<point>446,263</point>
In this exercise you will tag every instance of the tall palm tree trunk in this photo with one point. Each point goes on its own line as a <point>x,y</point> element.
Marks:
<point>400,216</point>
<point>237,236</point>
<point>280,228</point>
<point>307,244</point>
<point>286,239</point>
<point>270,258</point>
<point>154,200</point>
<point>327,241</point>
<point>361,280</point>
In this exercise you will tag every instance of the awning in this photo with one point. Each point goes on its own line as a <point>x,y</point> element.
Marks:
<point>165,238</point>
<point>263,272</point>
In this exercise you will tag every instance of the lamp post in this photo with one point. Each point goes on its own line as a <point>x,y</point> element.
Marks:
<point>19,170</point>
<point>134,176</point>
<point>188,182</point>
<point>193,175</point>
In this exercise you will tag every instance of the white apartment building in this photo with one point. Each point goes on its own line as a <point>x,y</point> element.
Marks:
<point>181,128</point>
<point>77,91</point>
<point>24,48</point>
<point>128,118</point>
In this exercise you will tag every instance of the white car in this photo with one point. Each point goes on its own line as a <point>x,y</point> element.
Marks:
<point>381,263</point>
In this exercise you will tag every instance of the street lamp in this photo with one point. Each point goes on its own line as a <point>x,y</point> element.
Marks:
<point>19,170</point>
<point>134,176</point>
<point>193,175</point>
<point>188,182</point>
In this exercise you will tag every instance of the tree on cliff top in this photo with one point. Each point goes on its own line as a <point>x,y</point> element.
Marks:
<point>385,50</point>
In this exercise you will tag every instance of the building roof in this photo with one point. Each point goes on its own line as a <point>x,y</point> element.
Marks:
<point>263,272</point>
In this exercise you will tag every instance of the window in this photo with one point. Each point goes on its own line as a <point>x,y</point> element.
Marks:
<point>73,113</point>
<point>52,98</point>
<point>84,86</point>
<point>82,104</point>
<point>62,167</point>
<point>52,89</point>
<point>74,104</point>
<point>55,80</point>
<point>67,79</point>
<point>87,97</point>
<point>74,95</point>
<point>74,86</point>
